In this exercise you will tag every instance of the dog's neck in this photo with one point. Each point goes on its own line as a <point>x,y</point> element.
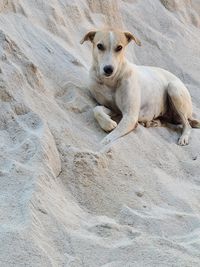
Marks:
<point>112,82</point>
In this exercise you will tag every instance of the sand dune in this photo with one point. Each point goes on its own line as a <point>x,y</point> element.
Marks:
<point>65,201</point>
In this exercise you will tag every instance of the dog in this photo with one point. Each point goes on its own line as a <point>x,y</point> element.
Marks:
<point>141,94</point>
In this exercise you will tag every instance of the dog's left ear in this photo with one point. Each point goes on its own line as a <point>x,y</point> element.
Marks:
<point>88,37</point>
<point>130,37</point>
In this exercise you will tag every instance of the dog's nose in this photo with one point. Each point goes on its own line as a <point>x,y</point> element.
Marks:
<point>108,70</point>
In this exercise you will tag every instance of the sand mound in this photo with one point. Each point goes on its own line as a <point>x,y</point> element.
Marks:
<point>64,201</point>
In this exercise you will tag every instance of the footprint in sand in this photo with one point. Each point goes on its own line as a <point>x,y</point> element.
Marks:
<point>111,232</point>
<point>73,98</point>
<point>19,127</point>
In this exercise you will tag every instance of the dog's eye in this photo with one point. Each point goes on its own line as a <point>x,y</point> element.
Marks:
<point>118,48</point>
<point>100,47</point>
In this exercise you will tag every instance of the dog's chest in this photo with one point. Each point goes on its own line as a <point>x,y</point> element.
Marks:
<point>104,95</point>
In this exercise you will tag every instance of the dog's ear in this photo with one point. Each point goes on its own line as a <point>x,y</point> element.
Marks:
<point>130,37</point>
<point>88,37</point>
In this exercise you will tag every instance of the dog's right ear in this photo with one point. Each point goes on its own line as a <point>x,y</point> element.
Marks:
<point>88,37</point>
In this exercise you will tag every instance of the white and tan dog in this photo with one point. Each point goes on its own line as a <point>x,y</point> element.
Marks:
<point>139,93</point>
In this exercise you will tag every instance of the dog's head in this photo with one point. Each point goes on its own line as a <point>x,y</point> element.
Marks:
<point>108,49</point>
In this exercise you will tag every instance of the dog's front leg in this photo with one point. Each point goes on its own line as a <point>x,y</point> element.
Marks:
<point>125,126</point>
<point>128,101</point>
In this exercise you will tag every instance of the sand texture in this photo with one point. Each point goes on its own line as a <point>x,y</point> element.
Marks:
<point>65,201</point>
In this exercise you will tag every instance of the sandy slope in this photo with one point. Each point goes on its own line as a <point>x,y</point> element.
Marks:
<point>63,200</point>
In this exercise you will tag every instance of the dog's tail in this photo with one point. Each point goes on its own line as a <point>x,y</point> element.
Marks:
<point>194,123</point>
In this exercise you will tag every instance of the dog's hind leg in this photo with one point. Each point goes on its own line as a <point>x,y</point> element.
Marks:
<point>102,115</point>
<point>182,104</point>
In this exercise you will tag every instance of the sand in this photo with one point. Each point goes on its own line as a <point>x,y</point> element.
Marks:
<point>65,201</point>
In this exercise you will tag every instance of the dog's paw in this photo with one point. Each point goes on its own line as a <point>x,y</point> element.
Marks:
<point>183,140</point>
<point>109,125</point>
<point>153,123</point>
